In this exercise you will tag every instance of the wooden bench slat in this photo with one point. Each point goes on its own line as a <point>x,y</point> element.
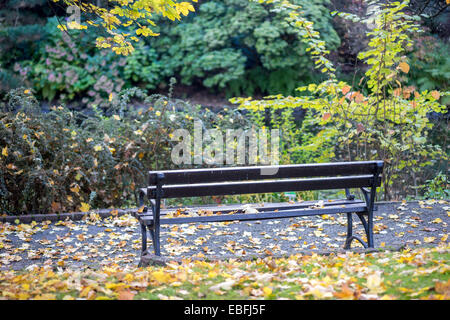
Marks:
<point>267,186</point>
<point>254,173</point>
<point>262,215</point>
<point>267,207</point>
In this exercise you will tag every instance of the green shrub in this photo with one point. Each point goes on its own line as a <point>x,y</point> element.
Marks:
<point>65,161</point>
<point>70,68</point>
<point>241,46</point>
<point>232,45</point>
<point>437,188</point>
<point>390,121</point>
<point>431,65</point>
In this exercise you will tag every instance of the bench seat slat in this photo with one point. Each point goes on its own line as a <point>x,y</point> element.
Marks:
<point>254,173</point>
<point>230,188</point>
<point>267,207</point>
<point>357,208</point>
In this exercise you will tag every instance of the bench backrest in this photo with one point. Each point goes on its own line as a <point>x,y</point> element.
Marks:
<point>245,180</point>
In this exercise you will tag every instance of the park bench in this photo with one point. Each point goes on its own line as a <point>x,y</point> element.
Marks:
<point>364,175</point>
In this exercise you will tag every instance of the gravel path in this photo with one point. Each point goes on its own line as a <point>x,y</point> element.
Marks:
<point>95,242</point>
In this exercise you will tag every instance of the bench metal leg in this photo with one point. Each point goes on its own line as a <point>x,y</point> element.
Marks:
<point>144,237</point>
<point>350,236</point>
<point>156,210</point>
<point>156,243</point>
<point>369,232</point>
<point>369,198</point>
<point>154,228</point>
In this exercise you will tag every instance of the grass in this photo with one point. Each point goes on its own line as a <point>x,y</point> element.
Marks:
<point>420,273</point>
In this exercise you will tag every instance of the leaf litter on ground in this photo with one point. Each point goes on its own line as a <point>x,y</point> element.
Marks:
<point>63,256</point>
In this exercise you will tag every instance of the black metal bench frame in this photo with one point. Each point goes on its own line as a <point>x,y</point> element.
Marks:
<point>364,175</point>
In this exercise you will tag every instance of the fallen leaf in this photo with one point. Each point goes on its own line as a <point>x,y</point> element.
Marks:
<point>267,291</point>
<point>374,283</point>
<point>429,239</point>
<point>443,288</point>
<point>84,207</point>
<point>226,285</point>
<point>125,295</point>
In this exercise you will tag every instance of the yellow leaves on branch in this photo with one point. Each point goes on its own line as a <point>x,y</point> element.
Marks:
<point>127,14</point>
<point>145,31</point>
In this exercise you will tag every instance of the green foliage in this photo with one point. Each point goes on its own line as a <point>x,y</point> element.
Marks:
<point>143,68</point>
<point>68,67</point>
<point>437,188</point>
<point>236,46</point>
<point>431,65</point>
<point>21,24</point>
<point>390,123</point>
<point>65,161</point>
<point>240,46</point>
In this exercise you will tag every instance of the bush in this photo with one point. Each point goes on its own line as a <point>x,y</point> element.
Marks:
<point>66,161</point>
<point>70,68</point>
<point>390,121</point>
<point>437,188</point>
<point>241,47</point>
<point>431,65</point>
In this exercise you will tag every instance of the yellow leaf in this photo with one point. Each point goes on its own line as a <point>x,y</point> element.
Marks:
<point>75,189</point>
<point>85,292</point>
<point>85,207</point>
<point>429,239</point>
<point>98,148</point>
<point>46,296</point>
<point>374,283</point>
<point>62,28</point>
<point>267,291</point>
<point>73,25</point>
<point>160,276</point>
<point>404,67</point>
<point>5,151</point>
